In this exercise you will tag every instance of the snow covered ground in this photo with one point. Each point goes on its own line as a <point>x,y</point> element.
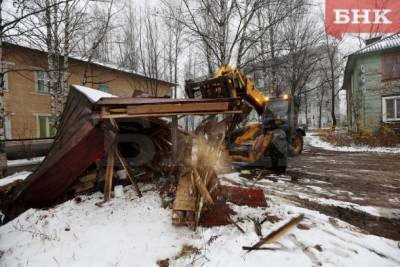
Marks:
<point>24,162</point>
<point>137,232</point>
<point>281,186</point>
<point>14,177</point>
<point>313,140</point>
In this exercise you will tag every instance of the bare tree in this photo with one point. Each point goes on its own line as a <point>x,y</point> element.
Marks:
<point>10,22</point>
<point>221,26</point>
<point>128,40</point>
<point>332,71</point>
<point>100,31</point>
<point>174,45</point>
<point>302,41</point>
<point>321,100</point>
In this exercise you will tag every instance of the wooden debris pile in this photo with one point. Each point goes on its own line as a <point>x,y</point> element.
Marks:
<point>137,153</point>
<point>197,181</point>
<point>100,135</point>
<point>199,198</point>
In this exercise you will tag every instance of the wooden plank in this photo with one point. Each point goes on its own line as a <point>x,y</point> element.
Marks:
<point>117,110</point>
<point>114,125</point>
<point>235,224</point>
<point>88,177</point>
<point>128,170</point>
<point>109,175</point>
<point>275,235</point>
<point>168,108</point>
<point>81,187</point>
<point>174,138</point>
<point>124,116</point>
<point>104,111</point>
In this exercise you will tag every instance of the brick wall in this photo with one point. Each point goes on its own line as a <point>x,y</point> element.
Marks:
<point>23,103</point>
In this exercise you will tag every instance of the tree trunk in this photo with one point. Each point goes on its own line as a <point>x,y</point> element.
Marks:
<point>57,78</point>
<point>2,74</point>
<point>176,72</point>
<point>320,111</point>
<point>50,65</point>
<point>66,54</point>
<point>333,95</point>
<point>306,110</point>
<point>273,66</point>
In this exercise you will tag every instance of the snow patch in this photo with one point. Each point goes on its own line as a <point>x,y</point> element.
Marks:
<point>315,141</point>
<point>12,178</point>
<point>92,94</point>
<point>24,162</point>
<point>137,232</point>
<point>121,233</point>
<point>375,211</point>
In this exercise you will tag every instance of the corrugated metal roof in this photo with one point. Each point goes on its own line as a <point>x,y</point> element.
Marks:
<point>386,43</point>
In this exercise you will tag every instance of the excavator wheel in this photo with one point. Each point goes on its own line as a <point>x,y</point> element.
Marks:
<point>278,160</point>
<point>297,144</point>
<point>236,133</point>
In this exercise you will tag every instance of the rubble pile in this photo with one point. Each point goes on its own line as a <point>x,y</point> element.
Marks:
<point>105,142</point>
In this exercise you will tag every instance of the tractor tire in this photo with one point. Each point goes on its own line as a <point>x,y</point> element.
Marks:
<point>279,160</point>
<point>236,133</point>
<point>297,144</point>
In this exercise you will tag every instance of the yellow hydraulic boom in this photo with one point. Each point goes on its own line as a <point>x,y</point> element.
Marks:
<point>245,88</point>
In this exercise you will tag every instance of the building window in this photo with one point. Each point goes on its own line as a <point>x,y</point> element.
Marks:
<point>44,127</point>
<point>43,82</point>
<point>391,108</point>
<point>7,127</point>
<point>104,88</point>
<point>391,66</point>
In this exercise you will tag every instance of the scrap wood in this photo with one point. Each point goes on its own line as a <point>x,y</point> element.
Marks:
<point>91,177</point>
<point>275,235</point>
<point>307,251</point>
<point>235,224</point>
<point>250,248</point>
<point>201,186</point>
<point>257,226</point>
<point>196,183</point>
<point>128,170</point>
<point>270,218</point>
<point>211,185</point>
<point>184,205</point>
<point>258,178</point>
<point>109,175</point>
<point>83,186</point>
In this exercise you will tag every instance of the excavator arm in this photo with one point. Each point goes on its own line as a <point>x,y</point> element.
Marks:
<point>244,87</point>
<point>228,83</point>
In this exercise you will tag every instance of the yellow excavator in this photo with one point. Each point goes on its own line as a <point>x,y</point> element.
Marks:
<point>270,141</point>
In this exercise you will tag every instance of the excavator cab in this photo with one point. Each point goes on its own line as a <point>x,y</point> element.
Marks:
<point>276,112</point>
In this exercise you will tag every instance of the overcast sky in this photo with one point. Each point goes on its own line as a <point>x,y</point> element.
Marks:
<point>349,44</point>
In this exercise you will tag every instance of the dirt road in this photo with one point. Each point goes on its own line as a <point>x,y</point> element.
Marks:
<point>360,188</point>
<point>367,179</point>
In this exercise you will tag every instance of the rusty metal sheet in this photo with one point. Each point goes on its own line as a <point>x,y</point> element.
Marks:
<point>218,214</point>
<point>79,142</point>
